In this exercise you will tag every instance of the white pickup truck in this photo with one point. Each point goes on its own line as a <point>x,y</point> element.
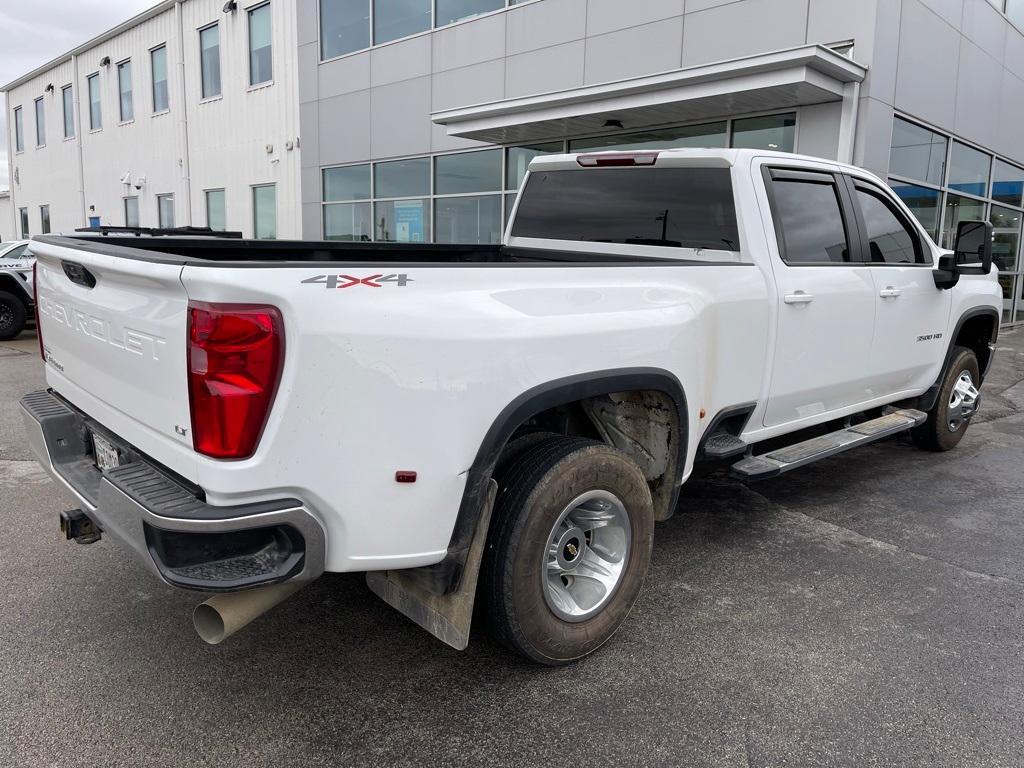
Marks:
<point>501,424</point>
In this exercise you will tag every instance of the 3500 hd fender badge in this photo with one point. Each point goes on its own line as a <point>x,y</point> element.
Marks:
<point>348,281</point>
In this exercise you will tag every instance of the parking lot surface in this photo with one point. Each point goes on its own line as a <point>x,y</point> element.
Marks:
<point>864,611</point>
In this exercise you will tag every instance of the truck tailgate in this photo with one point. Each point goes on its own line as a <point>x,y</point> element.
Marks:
<point>114,338</point>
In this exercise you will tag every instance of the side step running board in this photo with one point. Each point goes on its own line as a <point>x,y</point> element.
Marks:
<point>799,454</point>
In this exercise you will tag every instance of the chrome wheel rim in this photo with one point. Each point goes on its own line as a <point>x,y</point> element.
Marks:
<point>963,401</point>
<point>586,555</point>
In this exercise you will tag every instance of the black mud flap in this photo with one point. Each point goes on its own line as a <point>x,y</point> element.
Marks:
<point>446,617</point>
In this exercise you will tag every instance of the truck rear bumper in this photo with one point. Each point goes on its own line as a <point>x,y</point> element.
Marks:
<point>165,522</point>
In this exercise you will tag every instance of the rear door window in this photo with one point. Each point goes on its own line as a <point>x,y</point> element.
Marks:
<point>809,219</point>
<point>16,253</point>
<point>667,207</point>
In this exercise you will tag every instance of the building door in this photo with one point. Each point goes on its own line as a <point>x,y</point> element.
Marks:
<point>826,299</point>
<point>911,314</point>
<point>94,221</point>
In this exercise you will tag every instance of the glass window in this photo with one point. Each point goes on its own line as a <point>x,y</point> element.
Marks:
<point>402,178</point>
<point>264,212</point>
<point>40,122</point>
<point>693,136</point>
<point>23,215</point>
<point>19,131</point>
<point>917,153</point>
<point>95,108</point>
<point>261,60</point>
<point>348,221</point>
<point>124,87</point>
<point>344,27</point>
<point>393,19</point>
<point>131,211</point>
<point>467,172</point>
<point>468,219</point>
<point>44,219</point>
<point>1020,301</point>
<point>161,93</point>
<point>14,253</point>
<point>1006,226</point>
<point>1007,283</point>
<point>402,221</point>
<point>209,60</point>
<point>889,239</point>
<point>1007,183</point>
<point>216,210</point>
<point>68,101</point>
<point>923,202</point>
<point>775,132</point>
<point>349,183</point>
<point>517,161</point>
<point>672,207</point>
<point>811,221</point>
<point>960,209</point>
<point>165,211</point>
<point>449,11</point>
<point>1015,11</point>
<point>968,170</point>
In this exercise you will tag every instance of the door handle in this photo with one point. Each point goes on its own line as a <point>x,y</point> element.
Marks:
<point>890,293</point>
<point>800,297</point>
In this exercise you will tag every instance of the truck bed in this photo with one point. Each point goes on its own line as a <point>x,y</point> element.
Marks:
<point>235,252</point>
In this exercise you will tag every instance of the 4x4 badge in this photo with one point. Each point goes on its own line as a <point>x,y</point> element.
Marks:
<point>348,281</point>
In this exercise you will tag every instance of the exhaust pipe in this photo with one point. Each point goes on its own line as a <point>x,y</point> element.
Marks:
<point>222,615</point>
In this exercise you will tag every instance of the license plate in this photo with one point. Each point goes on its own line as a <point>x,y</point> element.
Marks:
<point>107,456</point>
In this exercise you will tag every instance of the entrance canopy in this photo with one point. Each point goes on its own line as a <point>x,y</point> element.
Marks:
<point>791,78</point>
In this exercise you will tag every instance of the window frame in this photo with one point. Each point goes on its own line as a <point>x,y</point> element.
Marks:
<point>66,89</point>
<point>153,80</point>
<point>909,223</point>
<point>252,202</point>
<point>206,206</point>
<point>809,175</point>
<point>124,210</point>
<point>24,223</point>
<point>94,125</point>
<point>203,96</point>
<point>39,108</point>
<point>122,120</point>
<point>249,50</point>
<point>44,219</point>
<point>159,217</point>
<point>19,129</point>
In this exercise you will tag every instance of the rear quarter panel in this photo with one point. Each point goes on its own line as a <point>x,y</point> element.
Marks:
<point>411,377</point>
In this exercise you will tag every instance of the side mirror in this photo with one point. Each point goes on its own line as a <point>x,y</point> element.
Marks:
<point>947,275</point>
<point>973,248</point>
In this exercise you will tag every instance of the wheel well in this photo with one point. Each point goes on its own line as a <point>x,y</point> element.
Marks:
<point>976,334</point>
<point>644,424</point>
<point>9,283</point>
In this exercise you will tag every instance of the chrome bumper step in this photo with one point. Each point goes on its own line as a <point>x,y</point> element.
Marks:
<point>800,454</point>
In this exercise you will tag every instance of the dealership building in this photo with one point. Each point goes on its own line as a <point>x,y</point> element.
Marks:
<point>415,120</point>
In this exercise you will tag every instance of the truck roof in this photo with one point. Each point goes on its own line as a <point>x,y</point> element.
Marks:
<point>678,157</point>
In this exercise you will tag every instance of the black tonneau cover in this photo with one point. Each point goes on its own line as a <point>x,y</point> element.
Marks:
<point>235,252</point>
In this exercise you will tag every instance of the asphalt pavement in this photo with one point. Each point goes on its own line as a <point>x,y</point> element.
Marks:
<point>864,611</point>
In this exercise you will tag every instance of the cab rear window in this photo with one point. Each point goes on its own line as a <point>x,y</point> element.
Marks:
<point>667,207</point>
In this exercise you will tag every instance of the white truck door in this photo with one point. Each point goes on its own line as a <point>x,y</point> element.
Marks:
<point>826,298</point>
<point>911,315</point>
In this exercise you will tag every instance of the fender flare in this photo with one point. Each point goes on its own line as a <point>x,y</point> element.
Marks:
<point>445,577</point>
<point>927,400</point>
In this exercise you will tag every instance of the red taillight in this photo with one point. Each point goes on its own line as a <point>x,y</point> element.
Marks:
<point>235,352</point>
<point>617,159</point>
<point>35,307</point>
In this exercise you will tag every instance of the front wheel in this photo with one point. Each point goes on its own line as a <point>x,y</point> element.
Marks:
<point>568,549</point>
<point>957,402</point>
<point>12,315</point>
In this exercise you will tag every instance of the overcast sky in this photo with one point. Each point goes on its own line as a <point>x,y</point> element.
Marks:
<point>35,31</point>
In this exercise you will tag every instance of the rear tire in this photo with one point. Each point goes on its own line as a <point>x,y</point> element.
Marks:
<point>568,550</point>
<point>946,424</point>
<point>13,314</point>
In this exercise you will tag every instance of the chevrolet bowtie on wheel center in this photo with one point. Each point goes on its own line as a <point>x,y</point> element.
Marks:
<point>496,429</point>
